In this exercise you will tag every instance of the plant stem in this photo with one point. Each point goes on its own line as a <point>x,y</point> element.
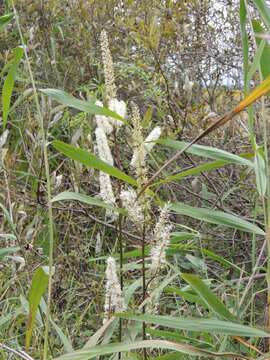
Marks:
<point>48,185</point>
<point>143,285</point>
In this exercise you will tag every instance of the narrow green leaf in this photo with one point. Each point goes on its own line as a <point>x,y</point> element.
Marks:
<point>220,259</point>
<point>68,195</point>
<point>90,353</point>
<point>264,11</point>
<point>38,288</point>
<point>9,83</point>
<point>216,217</point>
<point>82,105</point>
<point>263,60</point>
<point>207,151</point>
<point>256,61</point>
<point>86,158</point>
<point>199,169</point>
<point>208,296</point>
<point>260,171</point>
<point>244,37</point>
<point>212,326</point>
<point>186,295</point>
<point>5,19</point>
<point>173,335</point>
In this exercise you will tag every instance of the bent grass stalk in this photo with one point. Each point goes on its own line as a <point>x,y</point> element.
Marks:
<point>48,184</point>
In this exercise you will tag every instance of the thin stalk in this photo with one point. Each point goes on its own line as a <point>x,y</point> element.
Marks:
<point>266,198</point>
<point>120,239</point>
<point>48,186</point>
<point>143,285</point>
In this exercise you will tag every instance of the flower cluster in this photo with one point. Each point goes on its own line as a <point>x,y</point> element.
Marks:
<point>108,66</point>
<point>135,211</point>
<point>148,145</point>
<point>114,301</point>
<point>161,239</point>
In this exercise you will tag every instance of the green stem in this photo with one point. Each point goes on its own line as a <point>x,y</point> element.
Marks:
<point>48,185</point>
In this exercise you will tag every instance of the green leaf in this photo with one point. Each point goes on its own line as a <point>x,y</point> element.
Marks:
<point>244,37</point>
<point>208,296</point>
<point>256,61</point>
<point>68,195</point>
<point>220,259</point>
<point>264,11</point>
<point>186,295</point>
<point>173,335</point>
<point>216,217</point>
<point>5,19</point>
<point>86,158</point>
<point>207,151</point>
<point>38,288</point>
<point>9,83</point>
<point>82,105</point>
<point>212,326</point>
<point>193,171</point>
<point>263,58</point>
<point>147,118</point>
<point>65,341</point>
<point>170,356</point>
<point>260,171</point>
<point>199,169</point>
<point>7,251</point>
<point>90,353</point>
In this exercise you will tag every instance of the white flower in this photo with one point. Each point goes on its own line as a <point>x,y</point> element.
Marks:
<point>58,180</point>
<point>106,192</point>
<point>161,239</point>
<point>188,85</point>
<point>137,160</point>
<point>152,137</point>
<point>103,122</point>
<point>98,245</point>
<point>149,143</point>
<point>114,300</point>
<point>130,203</point>
<point>108,66</point>
<point>120,108</point>
<point>104,152</point>
<point>3,138</point>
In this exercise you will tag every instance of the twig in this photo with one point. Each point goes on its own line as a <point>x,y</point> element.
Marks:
<point>19,353</point>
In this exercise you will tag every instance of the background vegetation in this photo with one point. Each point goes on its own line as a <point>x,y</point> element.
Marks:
<point>179,66</point>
